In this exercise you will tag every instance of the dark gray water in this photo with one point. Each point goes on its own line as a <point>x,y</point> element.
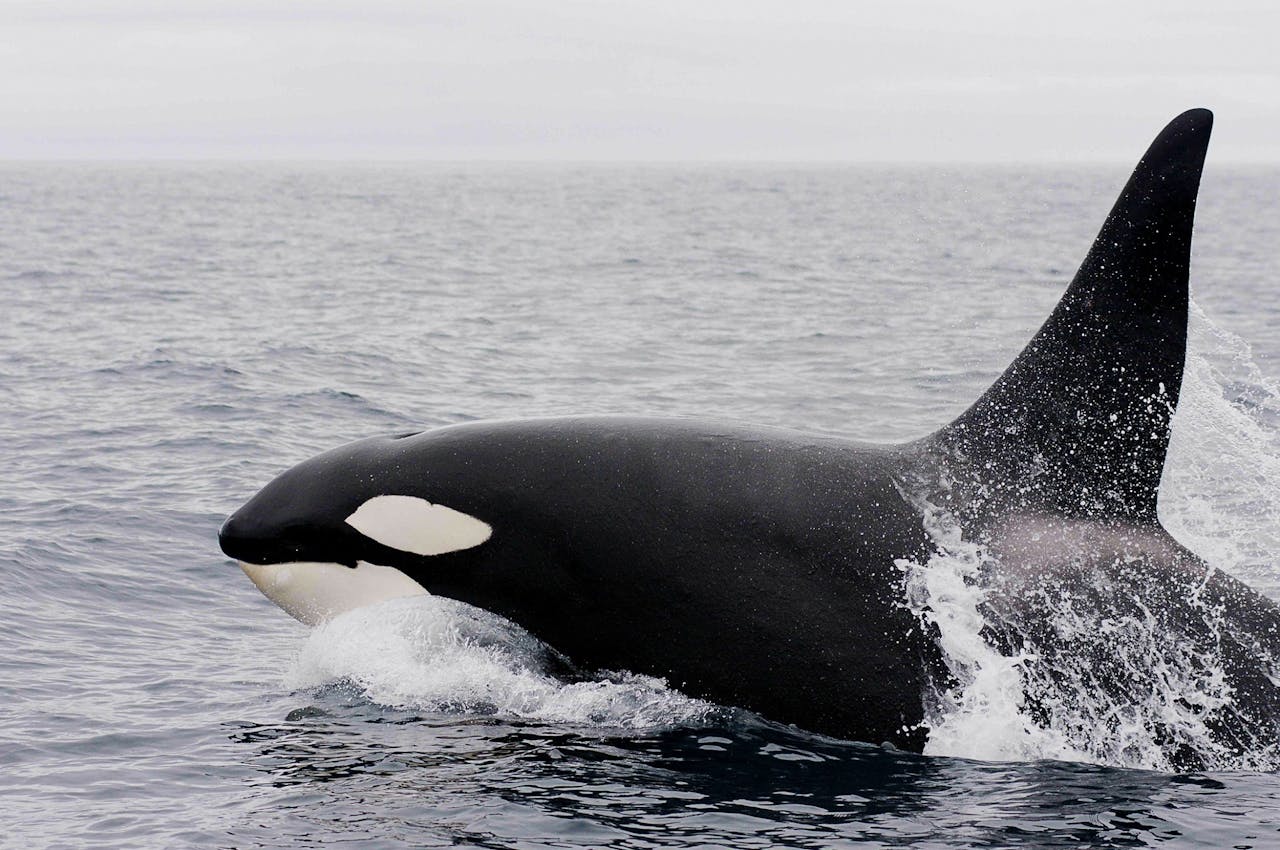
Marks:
<point>173,336</point>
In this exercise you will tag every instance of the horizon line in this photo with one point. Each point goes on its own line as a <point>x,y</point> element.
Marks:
<point>585,161</point>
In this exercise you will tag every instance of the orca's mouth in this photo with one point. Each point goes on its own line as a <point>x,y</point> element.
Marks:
<point>316,591</point>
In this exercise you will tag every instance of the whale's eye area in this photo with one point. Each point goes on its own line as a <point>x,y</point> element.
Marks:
<point>415,525</point>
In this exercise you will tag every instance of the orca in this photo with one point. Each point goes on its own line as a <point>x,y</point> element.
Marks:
<point>763,568</point>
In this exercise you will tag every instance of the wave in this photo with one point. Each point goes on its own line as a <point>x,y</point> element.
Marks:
<point>433,654</point>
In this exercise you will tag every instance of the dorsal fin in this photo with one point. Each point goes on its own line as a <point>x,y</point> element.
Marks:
<point>1078,425</point>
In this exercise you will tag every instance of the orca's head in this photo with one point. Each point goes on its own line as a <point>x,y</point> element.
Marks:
<point>376,519</point>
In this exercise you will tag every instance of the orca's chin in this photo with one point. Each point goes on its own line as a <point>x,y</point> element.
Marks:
<point>314,592</point>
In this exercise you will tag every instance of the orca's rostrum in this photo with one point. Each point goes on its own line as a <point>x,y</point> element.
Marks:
<point>762,568</point>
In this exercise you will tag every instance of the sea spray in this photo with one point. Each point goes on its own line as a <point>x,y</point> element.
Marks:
<point>980,713</point>
<point>1109,661</point>
<point>1220,495</point>
<point>429,653</point>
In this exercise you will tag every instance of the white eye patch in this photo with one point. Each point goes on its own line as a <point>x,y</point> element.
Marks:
<point>415,525</point>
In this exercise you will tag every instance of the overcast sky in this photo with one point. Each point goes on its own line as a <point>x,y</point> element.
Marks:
<point>982,80</point>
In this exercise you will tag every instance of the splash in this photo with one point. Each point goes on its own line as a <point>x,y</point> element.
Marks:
<point>1096,672</point>
<point>433,654</point>
<point>1102,674</point>
<point>982,713</point>
<point>1220,495</point>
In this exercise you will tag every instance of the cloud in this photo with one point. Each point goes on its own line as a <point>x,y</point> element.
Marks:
<point>995,80</point>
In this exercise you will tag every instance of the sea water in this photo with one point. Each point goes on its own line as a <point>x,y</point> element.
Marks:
<point>174,335</point>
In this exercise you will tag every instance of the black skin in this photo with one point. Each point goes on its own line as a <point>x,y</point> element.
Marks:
<point>752,567</point>
<point>762,568</point>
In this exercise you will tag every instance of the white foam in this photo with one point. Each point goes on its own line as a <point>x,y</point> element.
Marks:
<point>1160,705</point>
<point>433,654</point>
<point>983,716</point>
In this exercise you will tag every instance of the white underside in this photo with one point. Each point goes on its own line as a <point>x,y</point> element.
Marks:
<point>314,592</point>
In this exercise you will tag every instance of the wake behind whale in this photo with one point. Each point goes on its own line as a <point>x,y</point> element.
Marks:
<point>781,572</point>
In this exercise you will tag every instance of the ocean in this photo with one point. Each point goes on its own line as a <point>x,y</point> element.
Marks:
<point>174,335</point>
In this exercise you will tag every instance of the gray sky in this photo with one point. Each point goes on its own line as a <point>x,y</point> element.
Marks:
<point>983,80</point>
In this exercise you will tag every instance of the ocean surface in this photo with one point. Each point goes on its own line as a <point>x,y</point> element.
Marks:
<point>172,336</point>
